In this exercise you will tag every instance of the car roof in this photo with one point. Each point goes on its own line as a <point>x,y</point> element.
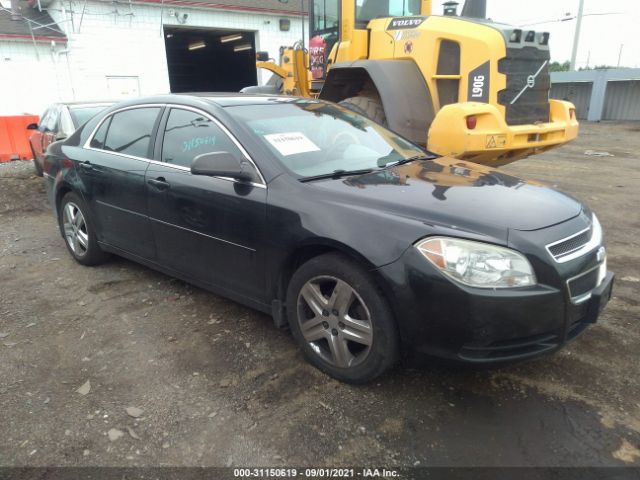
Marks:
<point>233,99</point>
<point>214,98</point>
<point>86,102</point>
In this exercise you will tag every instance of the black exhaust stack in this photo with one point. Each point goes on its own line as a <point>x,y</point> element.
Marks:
<point>451,8</point>
<point>475,9</point>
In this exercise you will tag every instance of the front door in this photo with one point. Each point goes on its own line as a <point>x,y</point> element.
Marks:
<point>209,228</point>
<point>114,173</point>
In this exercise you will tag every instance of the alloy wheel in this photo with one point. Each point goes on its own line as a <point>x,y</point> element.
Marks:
<point>335,321</point>
<point>75,229</point>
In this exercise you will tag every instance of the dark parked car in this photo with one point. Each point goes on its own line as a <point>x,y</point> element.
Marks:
<point>364,244</point>
<point>58,122</point>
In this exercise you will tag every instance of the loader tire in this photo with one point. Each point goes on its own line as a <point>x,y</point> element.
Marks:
<point>370,107</point>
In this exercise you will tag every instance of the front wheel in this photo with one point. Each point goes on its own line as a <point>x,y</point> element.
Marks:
<point>77,230</point>
<point>338,315</point>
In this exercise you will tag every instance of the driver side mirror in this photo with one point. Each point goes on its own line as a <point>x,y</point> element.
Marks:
<point>222,164</point>
<point>32,126</point>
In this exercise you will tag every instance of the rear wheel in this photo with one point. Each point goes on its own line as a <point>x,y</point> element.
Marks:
<point>370,107</point>
<point>77,230</point>
<point>339,317</point>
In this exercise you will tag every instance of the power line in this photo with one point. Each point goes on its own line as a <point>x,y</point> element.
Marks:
<point>569,18</point>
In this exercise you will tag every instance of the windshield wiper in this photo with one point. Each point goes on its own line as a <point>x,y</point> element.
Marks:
<point>404,161</point>
<point>337,174</point>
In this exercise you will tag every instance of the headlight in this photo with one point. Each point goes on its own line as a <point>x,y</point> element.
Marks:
<point>478,264</point>
<point>596,229</point>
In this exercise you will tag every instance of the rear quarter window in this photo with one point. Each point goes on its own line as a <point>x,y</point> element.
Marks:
<point>130,131</point>
<point>98,139</point>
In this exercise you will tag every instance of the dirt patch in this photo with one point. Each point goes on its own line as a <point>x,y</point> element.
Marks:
<point>219,385</point>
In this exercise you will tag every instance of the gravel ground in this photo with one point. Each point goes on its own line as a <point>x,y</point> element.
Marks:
<point>214,383</point>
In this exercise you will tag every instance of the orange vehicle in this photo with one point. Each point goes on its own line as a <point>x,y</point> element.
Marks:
<point>58,122</point>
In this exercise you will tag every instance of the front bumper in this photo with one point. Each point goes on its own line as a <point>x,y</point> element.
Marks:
<point>441,318</point>
<point>493,142</point>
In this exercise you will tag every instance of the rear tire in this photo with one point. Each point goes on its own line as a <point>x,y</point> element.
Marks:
<point>341,320</point>
<point>370,107</point>
<point>78,232</point>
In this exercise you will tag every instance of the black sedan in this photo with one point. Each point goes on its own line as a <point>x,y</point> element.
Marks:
<point>365,245</point>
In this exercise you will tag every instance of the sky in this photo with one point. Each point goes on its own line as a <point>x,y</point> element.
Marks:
<point>601,35</point>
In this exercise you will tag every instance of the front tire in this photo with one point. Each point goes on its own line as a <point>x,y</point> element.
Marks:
<point>78,232</point>
<point>340,319</point>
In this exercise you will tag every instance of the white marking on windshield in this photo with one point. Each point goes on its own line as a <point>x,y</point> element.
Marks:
<point>291,143</point>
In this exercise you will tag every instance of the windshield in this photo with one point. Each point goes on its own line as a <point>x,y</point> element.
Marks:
<point>81,114</point>
<point>367,10</point>
<point>313,138</point>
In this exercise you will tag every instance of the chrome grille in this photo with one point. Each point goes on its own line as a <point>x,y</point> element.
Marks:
<point>563,248</point>
<point>570,245</point>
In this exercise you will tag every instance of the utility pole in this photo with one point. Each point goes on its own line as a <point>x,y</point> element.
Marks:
<point>303,22</point>
<point>620,54</point>
<point>576,38</point>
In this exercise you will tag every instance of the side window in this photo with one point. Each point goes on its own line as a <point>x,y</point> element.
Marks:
<point>43,119</point>
<point>189,134</point>
<point>52,120</point>
<point>325,15</point>
<point>98,139</point>
<point>324,34</point>
<point>130,131</point>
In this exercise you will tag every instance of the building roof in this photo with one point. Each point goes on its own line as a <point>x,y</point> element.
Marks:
<point>45,29</point>
<point>33,20</point>
<point>277,7</point>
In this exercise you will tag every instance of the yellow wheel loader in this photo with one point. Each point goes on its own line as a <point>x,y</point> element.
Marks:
<point>464,86</point>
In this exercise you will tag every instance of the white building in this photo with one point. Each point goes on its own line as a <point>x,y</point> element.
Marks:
<point>83,50</point>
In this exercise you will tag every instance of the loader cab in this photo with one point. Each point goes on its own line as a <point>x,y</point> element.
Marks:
<point>367,10</point>
<point>324,20</point>
<point>327,17</point>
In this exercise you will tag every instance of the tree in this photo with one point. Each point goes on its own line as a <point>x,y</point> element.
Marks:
<point>560,67</point>
<point>598,67</point>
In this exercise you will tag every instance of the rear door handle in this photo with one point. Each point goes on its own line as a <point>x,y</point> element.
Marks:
<point>86,166</point>
<point>160,183</point>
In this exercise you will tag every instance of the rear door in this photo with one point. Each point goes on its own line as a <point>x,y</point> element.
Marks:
<point>209,228</point>
<point>113,171</point>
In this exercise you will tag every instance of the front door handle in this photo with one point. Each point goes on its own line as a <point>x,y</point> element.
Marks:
<point>160,183</point>
<point>86,166</point>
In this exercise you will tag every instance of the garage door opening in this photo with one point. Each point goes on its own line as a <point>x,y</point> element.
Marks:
<point>207,60</point>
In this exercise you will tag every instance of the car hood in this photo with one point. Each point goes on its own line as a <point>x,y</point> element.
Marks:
<point>458,194</point>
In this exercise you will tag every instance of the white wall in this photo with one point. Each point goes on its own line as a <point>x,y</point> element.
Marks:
<point>107,44</point>
<point>31,77</point>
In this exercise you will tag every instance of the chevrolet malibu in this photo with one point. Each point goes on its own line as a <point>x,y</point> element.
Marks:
<point>366,246</point>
